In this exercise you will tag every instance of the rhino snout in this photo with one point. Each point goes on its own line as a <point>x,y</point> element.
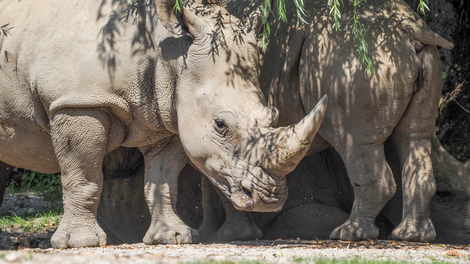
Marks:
<point>256,197</point>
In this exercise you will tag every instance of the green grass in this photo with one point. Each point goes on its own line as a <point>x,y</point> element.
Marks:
<point>32,223</point>
<point>48,187</point>
<point>317,260</point>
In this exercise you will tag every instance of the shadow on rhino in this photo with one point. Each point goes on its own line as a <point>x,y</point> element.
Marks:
<point>320,199</point>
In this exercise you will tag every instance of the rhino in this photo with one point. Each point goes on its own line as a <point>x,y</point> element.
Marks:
<point>321,198</point>
<point>398,103</point>
<point>81,79</point>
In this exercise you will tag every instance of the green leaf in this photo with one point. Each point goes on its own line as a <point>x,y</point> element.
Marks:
<point>178,8</point>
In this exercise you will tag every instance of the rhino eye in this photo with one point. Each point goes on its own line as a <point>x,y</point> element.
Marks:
<point>219,123</point>
<point>443,196</point>
<point>220,126</point>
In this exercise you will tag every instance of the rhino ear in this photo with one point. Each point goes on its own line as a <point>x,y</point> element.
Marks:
<point>180,23</point>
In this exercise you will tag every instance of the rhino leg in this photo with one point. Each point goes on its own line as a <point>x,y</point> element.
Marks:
<point>5,177</point>
<point>213,212</point>
<point>123,212</point>
<point>306,221</point>
<point>412,137</point>
<point>238,225</point>
<point>373,185</point>
<point>162,169</point>
<point>79,138</point>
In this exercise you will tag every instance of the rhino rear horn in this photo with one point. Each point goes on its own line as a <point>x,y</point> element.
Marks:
<point>286,146</point>
<point>416,28</point>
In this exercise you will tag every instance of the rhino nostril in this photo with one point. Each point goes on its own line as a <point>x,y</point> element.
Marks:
<point>248,193</point>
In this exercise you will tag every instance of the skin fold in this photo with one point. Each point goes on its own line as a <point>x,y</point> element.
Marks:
<point>82,79</point>
<point>321,198</point>
<point>399,102</point>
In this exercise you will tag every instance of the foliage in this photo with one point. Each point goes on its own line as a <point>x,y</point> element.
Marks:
<point>359,37</point>
<point>357,28</point>
<point>48,185</point>
<point>32,223</point>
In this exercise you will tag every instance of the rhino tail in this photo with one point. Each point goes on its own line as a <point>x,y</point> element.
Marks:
<point>416,28</point>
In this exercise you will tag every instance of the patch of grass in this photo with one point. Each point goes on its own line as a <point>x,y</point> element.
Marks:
<point>354,261</point>
<point>32,223</point>
<point>46,185</point>
<point>209,262</point>
<point>315,260</point>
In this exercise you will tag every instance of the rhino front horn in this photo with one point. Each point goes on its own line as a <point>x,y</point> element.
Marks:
<point>286,146</point>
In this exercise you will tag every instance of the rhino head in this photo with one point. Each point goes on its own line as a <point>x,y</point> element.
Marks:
<point>223,121</point>
<point>450,206</point>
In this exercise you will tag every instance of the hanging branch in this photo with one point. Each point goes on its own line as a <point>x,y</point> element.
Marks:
<point>357,27</point>
<point>359,37</point>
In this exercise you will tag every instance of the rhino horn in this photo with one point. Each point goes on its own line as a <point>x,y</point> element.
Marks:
<point>286,146</point>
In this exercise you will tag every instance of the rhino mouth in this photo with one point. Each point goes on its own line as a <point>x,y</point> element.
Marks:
<point>258,194</point>
<point>251,188</point>
<point>242,199</point>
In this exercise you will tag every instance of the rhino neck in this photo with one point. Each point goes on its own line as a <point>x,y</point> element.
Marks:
<point>165,94</point>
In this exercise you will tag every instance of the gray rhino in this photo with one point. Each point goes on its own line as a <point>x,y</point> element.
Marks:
<point>399,103</point>
<point>80,79</point>
<point>321,198</point>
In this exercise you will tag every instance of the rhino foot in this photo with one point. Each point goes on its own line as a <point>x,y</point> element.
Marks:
<point>410,231</point>
<point>238,230</point>
<point>73,237</point>
<point>167,235</point>
<point>357,229</point>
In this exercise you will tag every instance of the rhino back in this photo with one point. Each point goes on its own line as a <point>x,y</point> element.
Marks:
<point>317,59</point>
<point>61,54</point>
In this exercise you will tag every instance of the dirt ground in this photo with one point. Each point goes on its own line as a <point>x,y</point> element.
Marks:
<point>278,251</point>
<point>18,246</point>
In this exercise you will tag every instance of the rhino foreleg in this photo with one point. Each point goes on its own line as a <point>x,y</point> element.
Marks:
<point>5,177</point>
<point>162,169</point>
<point>213,210</point>
<point>238,225</point>
<point>79,138</point>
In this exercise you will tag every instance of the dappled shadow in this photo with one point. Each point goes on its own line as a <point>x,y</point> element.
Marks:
<point>303,64</point>
<point>120,15</point>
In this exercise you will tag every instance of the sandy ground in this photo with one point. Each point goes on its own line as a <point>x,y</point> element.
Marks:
<point>278,251</point>
<point>35,248</point>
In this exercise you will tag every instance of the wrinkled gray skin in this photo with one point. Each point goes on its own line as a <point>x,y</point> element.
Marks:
<point>398,103</point>
<point>321,197</point>
<point>77,84</point>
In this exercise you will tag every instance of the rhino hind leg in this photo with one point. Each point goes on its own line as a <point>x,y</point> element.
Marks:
<point>306,221</point>
<point>162,169</point>
<point>235,225</point>
<point>79,137</point>
<point>412,137</point>
<point>373,186</point>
